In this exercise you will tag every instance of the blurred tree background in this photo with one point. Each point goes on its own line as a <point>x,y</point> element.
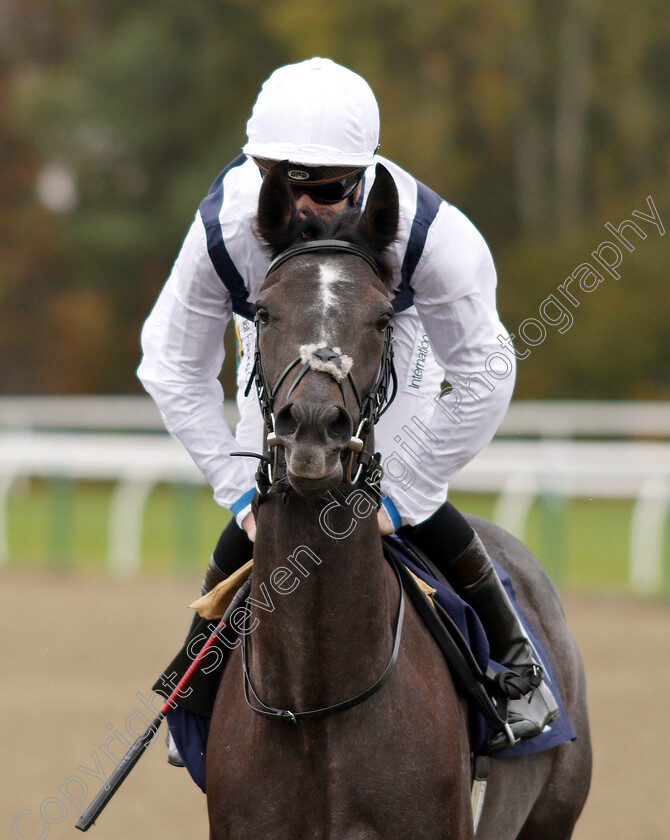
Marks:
<point>541,121</point>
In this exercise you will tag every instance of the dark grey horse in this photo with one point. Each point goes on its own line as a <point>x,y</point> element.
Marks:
<point>325,608</point>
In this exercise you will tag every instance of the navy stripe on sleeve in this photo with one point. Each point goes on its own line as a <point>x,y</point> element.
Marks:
<point>221,260</point>
<point>427,206</point>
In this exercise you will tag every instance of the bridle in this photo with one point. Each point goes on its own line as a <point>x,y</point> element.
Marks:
<point>366,465</point>
<point>362,464</point>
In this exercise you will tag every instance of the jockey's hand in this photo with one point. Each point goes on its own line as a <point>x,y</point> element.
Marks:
<point>249,525</point>
<point>384,520</point>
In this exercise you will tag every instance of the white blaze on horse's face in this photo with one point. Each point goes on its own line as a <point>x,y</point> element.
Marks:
<point>327,301</point>
<point>329,277</point>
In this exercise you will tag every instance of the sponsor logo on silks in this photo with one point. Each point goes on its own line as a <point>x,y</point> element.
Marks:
<point>298,174</point>
<point>244,335</point>
<point>239,351</point>
<point>419,361</point>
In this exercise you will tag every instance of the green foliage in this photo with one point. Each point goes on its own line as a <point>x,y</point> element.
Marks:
<point>616,345</point>
<point>541,121</point>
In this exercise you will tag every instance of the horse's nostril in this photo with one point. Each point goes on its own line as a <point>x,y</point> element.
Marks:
<point>286,421</point>
<point>339,425</point>
<point>301,423</point>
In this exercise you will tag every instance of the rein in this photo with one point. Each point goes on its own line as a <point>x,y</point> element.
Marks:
<point>285,714</point>
<point>362,464</point>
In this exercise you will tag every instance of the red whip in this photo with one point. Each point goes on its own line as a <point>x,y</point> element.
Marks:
<point>133,755</point>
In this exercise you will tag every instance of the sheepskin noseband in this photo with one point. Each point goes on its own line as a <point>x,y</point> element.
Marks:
<point>327,359</point>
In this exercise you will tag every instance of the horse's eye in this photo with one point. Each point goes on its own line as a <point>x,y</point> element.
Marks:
<point>263,315</point>
<point>383,322</point>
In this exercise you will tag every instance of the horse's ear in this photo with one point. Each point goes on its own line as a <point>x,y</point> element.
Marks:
<point>276,209</point>
<point>379,222</point>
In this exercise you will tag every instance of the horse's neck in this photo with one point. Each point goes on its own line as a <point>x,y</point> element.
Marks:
<point>328,631</point>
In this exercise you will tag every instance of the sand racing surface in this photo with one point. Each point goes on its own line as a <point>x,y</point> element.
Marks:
<point>80,652</point>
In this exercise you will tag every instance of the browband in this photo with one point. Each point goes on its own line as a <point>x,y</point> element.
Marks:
<point>338,245</point>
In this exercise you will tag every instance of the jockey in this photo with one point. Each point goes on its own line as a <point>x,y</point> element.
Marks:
<point>324,120</point>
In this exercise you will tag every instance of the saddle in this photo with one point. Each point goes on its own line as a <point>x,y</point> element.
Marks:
<point>462,640</point>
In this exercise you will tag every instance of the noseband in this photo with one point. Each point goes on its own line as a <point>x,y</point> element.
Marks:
<point>362,464</point>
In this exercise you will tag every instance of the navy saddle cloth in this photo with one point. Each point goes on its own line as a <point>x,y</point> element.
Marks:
<point>467,621</point>
<point>190,729</point>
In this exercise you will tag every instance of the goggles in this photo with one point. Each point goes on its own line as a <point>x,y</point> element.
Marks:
<point>323,184</point>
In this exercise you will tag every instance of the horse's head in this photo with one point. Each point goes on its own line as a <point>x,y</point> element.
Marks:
<point>324,325</point>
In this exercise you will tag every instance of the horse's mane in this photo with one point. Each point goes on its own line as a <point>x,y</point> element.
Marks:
<point>343,226</point>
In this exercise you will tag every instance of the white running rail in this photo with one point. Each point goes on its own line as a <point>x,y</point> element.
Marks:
<point>538,451</point>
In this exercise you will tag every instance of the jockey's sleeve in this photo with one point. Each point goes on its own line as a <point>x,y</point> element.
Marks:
<point>183,352</point>
<point>455,295</point>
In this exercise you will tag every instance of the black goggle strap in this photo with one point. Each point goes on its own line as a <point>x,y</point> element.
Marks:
<point>324,189</point>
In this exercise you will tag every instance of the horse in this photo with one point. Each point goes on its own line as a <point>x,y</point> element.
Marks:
<point>347,723</point>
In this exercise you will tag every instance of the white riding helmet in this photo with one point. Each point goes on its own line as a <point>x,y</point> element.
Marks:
<point>317,113</point>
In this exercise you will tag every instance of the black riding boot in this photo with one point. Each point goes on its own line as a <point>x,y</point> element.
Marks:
<point>531,704</point>
<point>213,576</point>
<point>233,550</point>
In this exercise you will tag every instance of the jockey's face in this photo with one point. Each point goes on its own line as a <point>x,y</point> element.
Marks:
<point>323,190</point>
<point>305,202</point>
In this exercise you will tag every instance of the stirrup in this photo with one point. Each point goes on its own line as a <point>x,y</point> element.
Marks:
<point>527,717</point>
<point>503,739</point>
<point>173,758</point>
